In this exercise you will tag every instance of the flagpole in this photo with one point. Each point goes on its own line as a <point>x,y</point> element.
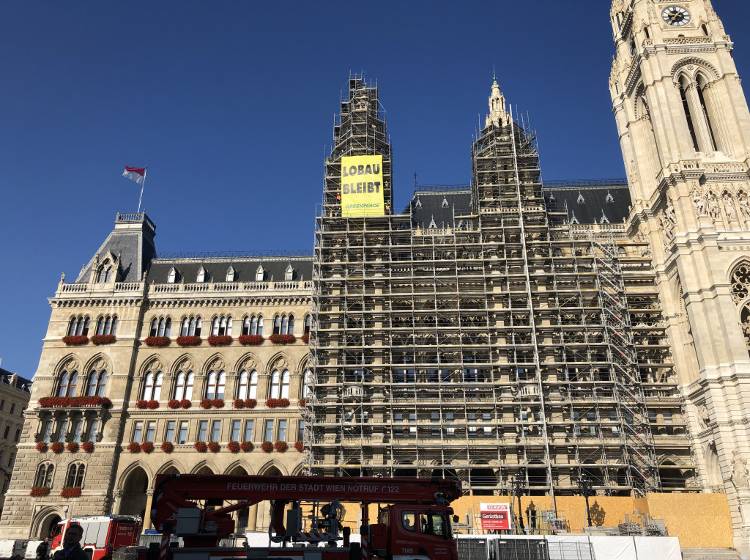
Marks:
<point>143,184</point>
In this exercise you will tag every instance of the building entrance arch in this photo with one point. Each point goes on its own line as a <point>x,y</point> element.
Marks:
<point>134,487</point>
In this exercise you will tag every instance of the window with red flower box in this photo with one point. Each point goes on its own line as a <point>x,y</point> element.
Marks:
<point>267,446</point>
<point>280,446</point>
<point>100,339</point>
<point>147,447</point>
<point>299,446</point>
<point>134,447</point>
<point>57,447</point>
<point>72,447</point>
<point>189,340</point>
<point>282,338</point>
<point>214,447</point>
<point>200,446</point>
<point>220,340</point>
<point>71,492</point>
<point>233,446</point>
<point>277,403</point>
<point>157,341</point>
<point>167,447</point>
<point>251,339</point>
<point>74,402</point>
<point>37,491</point>
<point>247,446</point>
<point>41,447</point>
<point>88,446</point>
<point>77,340</point>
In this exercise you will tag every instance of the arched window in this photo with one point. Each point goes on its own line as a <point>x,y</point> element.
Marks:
<point>242,385</point>
<point>106,324</point>
<point>45,473</point>
<point>78,326</point>
<point>221,326</point>
<point>191,326</point>
<point>740,291</point>
<point>97,383</point>
<point>307,385</point>
<point>275,391</point>
<point>172,276</point>
<point>277,324</point>
<point>285,378</point>
<point>152,383</point>
<point>289,273</point>
<point>66,386</point>
<point>702,85</point>
<point>684,85</point>
<point>260,274</point>
<point>259,331</point>
<point>308,323</point>
<point>201,275</point>
<point>230,274</point>
<point>253,390</point>
<point>105,273</point>
<point>76,473</point>
<point>161,326</point>
<point>284,325</point>
<point>184,386</point>
<point>217,381</point>
<point>92,430</point>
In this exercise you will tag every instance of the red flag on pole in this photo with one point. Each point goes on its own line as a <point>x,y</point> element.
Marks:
<point>135,174</point>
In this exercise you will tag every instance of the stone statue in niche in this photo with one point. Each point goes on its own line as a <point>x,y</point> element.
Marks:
<point>728,202</point>
<point>712,204</point>
<point>744,204</point>
<point>703,416</point>
<point>699,201</point>
<point>739,471</point>
<point>668,222</point>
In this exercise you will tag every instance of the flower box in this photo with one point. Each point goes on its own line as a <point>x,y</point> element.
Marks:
<point>157,341</point>
<point>306,338</point>
<point>147,447</point>
<point>206,403</point>
<point>153,405</point>
<point>277,403</point>
<point>212,403</point>
<point>173,403</point>
<point>100,339</point>
<point>189,340</point>
<point>57,447</point>
<point>247,446</point>
<point>185,403</point>
<point>70,492</point>
<point>140,403</point>
<point>299,446</point>
<point>282,338</point>
<point>233,446</point>
<point>41,447</point>
<point>37,491</point>
<point>80,402</point>
<point>223,340</point>
<point>214,447</point>
<point>78,340</point>
<point>280,446</point>
<point>245,403</point>
<point>302,403</point>
<point>167,447</point>
<point>266,446</point>
<point>134,447</point>
<point>251,339</point>
<point>88,446</point>
<point>200,446</point>
<point>72,447</point>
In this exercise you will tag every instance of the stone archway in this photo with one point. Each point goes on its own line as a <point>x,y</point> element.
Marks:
<point>46,524</point>
<point>263,509</point>
<point>242,516</point>
<point>134,488</point>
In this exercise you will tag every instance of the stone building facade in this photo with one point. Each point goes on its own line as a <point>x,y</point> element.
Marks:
<point>14,398</point>
<point>160,365</point>
<point>684,129</point>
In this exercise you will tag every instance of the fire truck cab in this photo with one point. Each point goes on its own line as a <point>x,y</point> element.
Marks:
<point>102,534</point>
<point>413,520</point>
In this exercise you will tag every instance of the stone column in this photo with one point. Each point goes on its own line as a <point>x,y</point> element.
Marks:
<point>147,514</point>
<point>700,125</point>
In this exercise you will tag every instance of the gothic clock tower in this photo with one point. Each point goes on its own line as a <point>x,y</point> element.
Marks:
<point>684,129</point>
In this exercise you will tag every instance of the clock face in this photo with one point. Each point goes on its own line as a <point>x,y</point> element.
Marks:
<point>676,15</point>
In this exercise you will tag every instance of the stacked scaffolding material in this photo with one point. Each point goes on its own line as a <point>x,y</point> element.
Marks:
<point>500,346</point>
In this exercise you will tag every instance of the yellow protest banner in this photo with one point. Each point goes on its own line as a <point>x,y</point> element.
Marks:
<point>362,186</point>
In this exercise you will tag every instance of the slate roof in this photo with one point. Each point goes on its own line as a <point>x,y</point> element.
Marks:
<point>589,202</point>
<point>216,268</point>
<point>10,378</point>
<point>437,208</point>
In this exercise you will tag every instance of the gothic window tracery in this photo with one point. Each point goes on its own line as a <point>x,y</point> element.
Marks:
<point>740,292</point>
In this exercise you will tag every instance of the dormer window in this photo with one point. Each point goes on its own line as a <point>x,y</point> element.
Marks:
<point>105,272</point>
<point>289,273</point>
<point>444,204</point>
<point>172,276</point>
<point>230,274</point>
<point>201,275</point>
<point>260,274</point>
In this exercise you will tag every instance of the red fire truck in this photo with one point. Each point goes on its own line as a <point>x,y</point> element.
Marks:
<point>413,520</point>
<point>102,535</point>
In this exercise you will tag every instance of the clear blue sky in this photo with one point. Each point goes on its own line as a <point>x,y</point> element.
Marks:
<point>230,104</point>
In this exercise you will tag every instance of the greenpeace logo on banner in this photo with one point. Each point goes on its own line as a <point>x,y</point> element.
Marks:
<point>495,517</point>
<point>362,186</point>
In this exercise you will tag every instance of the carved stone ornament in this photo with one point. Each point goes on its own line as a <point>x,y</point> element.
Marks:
<point>744,204</point>
<point>668,223</point>
<point>728,202</point>
<point>712,205</point>
<point>699,201</point>
<point>740,475</point>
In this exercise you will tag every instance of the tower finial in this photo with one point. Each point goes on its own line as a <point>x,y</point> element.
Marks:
<point>497,115</point>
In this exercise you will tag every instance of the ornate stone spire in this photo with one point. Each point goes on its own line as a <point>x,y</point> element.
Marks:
<point>497,115</point>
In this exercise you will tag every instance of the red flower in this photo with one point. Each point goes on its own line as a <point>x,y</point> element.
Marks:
<point>134,447</point>
<point>282,338</point>
<point>147,447</point>
<point>185,403</point>
<point>72,447</point>
<point>251,339</point>
<point>223,340</point>
<point>251,403</point>
<point>302,403</point>
<point>266,446</point>
<point>157,341</point>
<point>206,403</point>
<point>280,446</point>
<point>189,340</point>
<point>217,403</point>
<point>140,403</point>
<point>39,491</point>
<point>246,446</point>
<point>214,447</point>
<point>75,340</point>
<point>200,446</point>
<point>277,403</point>
<point>239,403</point>
<point>173,403</point>
<point>88,446</point>
<point>57,447</point>
<point>58,402</point>
<point>69,492</point>
<point>299,446</point>
<point>167,447</point>
<point>153,404</point>
<point>103,339</point>
<point>41,447</point>
<point>306,338</point>
<point>233,446</point>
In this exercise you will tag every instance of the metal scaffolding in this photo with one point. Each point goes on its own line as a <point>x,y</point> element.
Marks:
<point>504,343</point>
